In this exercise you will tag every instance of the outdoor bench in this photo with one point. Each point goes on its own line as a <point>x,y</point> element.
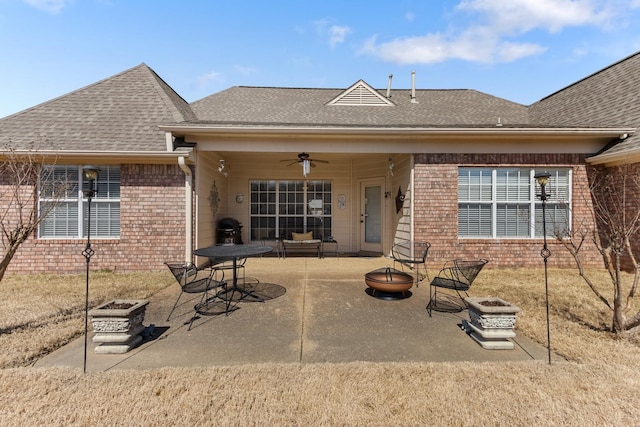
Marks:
<point>302,242</point>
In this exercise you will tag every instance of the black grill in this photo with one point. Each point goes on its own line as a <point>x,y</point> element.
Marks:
<point>229,231</point>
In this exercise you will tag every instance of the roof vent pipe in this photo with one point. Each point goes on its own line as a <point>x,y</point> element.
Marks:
<point>389,86</point>
<point>413,87</point>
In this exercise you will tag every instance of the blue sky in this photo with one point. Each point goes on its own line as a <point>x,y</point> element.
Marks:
<point>521,50</point>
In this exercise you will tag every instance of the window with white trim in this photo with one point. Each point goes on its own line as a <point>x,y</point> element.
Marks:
<point>279,208</point>
<point>505,203</point>
<point>60,196</point>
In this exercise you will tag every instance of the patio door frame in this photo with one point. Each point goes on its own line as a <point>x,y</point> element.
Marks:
<point>363,214</point>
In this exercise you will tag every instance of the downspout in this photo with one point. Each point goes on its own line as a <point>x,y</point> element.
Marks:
<point>188,196</point>
<point>188,186</point>
<point>412,199</point>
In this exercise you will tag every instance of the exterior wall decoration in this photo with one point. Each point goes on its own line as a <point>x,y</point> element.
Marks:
<point>214,199</point>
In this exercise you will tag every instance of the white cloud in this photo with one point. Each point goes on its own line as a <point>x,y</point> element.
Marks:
<point>204,79</point>
<point>337,34</point>
<point>521,16</point>
<point>473,46</point>
<point>424,49</point>
<point>51,6</point>
<point>578,52</point>
<point>509,51</point>
<point>245,70</point>
<point>495,30</point>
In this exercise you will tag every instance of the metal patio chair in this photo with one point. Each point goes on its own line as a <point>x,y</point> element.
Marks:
<point>222,265</point>
<point>193,281</point>
<point>412,255</point>
<point>456,275</point>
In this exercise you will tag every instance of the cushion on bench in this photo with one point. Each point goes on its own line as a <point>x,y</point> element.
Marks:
<point>302,236</point>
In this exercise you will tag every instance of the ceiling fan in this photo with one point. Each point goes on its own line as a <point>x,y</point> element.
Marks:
<point>305,161</point>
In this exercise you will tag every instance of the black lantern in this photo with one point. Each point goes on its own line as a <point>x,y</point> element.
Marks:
<point>543,179</point>
<point>91,175</point>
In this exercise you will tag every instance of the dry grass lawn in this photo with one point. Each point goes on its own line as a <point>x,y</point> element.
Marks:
<point>41,313</point>
<point>597,386</point>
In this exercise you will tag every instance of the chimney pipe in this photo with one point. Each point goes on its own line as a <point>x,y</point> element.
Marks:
<point>389,86</point>
<point>413,87</point>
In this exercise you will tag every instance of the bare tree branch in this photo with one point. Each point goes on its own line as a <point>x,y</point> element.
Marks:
<point>614,227</point>
<point>573,246</point>
<point>20,175</point>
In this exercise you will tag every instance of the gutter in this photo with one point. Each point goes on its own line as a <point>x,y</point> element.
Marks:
<point>618,152</point>
<point>150,156</point>
<point>408,130</point>
<point>615,159</point>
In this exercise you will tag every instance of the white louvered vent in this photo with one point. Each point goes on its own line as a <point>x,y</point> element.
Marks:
<point>360,94</point>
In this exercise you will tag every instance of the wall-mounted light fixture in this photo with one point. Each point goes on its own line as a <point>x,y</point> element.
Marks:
<point>222,169</point>
<point>239,198</point>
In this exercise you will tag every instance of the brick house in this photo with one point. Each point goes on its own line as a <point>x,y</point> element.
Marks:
<point>364,166</point>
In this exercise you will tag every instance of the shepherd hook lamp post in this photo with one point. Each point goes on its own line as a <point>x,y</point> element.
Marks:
<point>91,174</point>
<point>543,180</point>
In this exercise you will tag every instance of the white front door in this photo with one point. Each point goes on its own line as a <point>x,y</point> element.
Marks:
<point>371,214</point>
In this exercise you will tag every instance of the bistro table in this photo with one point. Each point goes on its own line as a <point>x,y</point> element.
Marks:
<point>226,252</point>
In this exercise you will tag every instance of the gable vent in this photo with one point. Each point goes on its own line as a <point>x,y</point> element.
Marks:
<point>360,94</point>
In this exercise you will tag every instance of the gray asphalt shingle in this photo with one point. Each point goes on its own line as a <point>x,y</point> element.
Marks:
<point>307,107</point>
<point>120,113</point>
<point>607,98</point>
<point>124,112</point>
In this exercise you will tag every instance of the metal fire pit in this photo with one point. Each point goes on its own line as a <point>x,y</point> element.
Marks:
<point>388,283</point>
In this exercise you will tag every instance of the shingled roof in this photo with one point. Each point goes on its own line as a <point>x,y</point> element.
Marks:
<point>266,106</point>
<point>120,113</point>
<point>124,112</point>
<point>607,98</point>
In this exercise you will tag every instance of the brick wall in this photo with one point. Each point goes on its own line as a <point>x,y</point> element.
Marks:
<point>618,190</point>
<point>152,215</point>
<point>436,206</point>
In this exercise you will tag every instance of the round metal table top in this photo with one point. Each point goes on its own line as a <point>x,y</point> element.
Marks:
<point>232,251</point>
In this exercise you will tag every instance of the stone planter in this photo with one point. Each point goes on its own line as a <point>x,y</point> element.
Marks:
<point>117,325</point>
<point>491,322</point>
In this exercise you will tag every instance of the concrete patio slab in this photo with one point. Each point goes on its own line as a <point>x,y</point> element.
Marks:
<point>316,311</point>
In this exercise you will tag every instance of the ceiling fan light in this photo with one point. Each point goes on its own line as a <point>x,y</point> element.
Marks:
<point>306,167</point>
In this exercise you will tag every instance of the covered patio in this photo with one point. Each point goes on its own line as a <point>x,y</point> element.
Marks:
<point>316,311</point>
